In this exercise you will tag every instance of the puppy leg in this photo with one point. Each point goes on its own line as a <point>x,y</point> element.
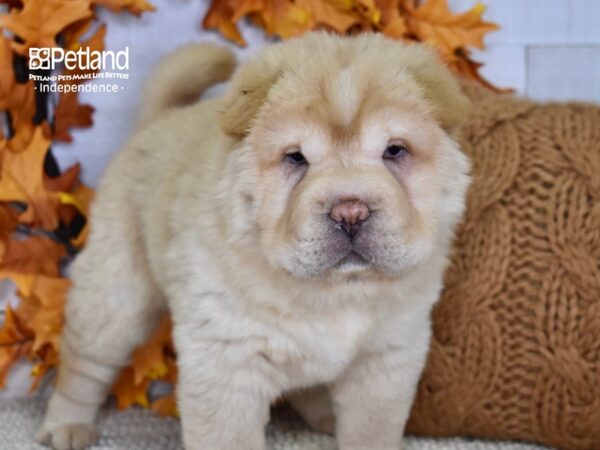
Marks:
<point>315,407</point>
<point>112,308</point>
<point>373,399</point>
<point>223,394</point>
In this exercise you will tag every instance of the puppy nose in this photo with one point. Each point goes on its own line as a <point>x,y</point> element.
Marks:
<point>350,214</point>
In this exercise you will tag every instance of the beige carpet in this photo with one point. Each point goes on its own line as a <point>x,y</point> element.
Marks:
<point>138,429</point>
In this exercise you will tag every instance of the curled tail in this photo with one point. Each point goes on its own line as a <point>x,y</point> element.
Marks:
<point>182,76</point>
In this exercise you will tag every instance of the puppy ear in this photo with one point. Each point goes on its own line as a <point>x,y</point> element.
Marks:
<point>249,89</point>
<point>441,88</point>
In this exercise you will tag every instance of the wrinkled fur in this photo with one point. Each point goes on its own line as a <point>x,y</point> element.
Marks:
<point>201,215</point>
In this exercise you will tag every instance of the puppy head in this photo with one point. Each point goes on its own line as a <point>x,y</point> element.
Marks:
<point>355,172</point>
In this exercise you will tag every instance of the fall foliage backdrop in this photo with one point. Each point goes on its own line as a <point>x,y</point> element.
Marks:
<point>43,211</point>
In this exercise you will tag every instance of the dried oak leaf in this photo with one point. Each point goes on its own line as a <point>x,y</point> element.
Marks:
<point>12,3</point>
<point>69,113</point>
<point>468,68</point>
<point>135,7</point>
<point>8,222</point>
<point>392,23</point>
<point>94,43</point>
<point>28,304</point>
<point>128,393</point>
<point>34,255</point>
<point>40,21</point>
<point>72,34</point>
<point>21,180</point>
<point>41,307</point>
<point>81,198</point>
<point>277,17</point>
<point>66,181</point>
<point>283,18</point>
<point>368,9</point>
<point>47,321</point>
<point>40,310</point>
<point>18,99</point>
<point>48,360</point>
<point>15,342</point>
<point>149,361</point>
<point>338,15</point>
<point>434,23</point>
<point>165,406</point>
<point>152,361</point>
<point>222,16</point>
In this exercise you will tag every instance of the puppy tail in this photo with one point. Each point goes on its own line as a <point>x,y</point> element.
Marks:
<point>182,76</point>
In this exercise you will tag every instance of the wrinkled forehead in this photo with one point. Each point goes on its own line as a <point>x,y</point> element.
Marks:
<point>339,93</point>
<point>342,106</point>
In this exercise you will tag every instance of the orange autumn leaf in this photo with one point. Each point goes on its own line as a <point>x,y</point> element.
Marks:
<point>245,7</point>
<point>46,322</point>
<point>135,7</point>
<point>429,21</point>
<point>220,16</point>
<point>278,17</point>
<point>434,23</point>
<point>33,289</point>
<point>12,3</point>
<point>36,254</point>
<point>40,21</point>
<point>81,198</point>
<point>73,33</point>
<point>66,181</point>
<point>23,281</point>
<point>392,23</point>
<point>69,113</point>
<point>40,311</point>
<point>22,112</point>
<point>152,361</point>
<point>172,371</point>
<point>165,406</point>
<point>15,341</point>
<point>128,393</point>
<point>39,371</point>
<point>149,360</point>
<point>336,15</point>
<point>8,222</point>
<point>21,180</point>
<point>31,201</point>
<point>467,68</point>
<point>395,28</point>
<point>7,75</point>
<point>18,99</point>
<point>78,75</point>
<point>28,304</point>
<point>283,18</point>
<point>369,10</point>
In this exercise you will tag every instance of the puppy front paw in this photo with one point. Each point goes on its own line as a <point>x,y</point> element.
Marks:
<point>73,436</point>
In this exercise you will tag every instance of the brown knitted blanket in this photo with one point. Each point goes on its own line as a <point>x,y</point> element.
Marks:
<point>516,348</point>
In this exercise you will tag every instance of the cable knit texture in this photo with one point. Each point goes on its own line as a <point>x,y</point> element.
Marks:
<point>516,346</point>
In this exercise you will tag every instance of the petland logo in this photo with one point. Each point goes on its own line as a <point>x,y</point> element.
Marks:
<point>82,59</point>
<point>80,66</point>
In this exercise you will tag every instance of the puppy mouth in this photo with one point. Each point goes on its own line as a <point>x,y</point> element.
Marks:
<point>352,262</point>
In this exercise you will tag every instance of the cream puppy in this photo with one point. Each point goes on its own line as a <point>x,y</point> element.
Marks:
<point>297,229</point>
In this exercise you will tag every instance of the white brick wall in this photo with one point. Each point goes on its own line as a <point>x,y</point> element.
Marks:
<point>546,49</point>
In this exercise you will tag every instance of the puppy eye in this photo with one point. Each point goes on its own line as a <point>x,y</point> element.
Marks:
<point>395,151</point>
<point>296,158</point>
